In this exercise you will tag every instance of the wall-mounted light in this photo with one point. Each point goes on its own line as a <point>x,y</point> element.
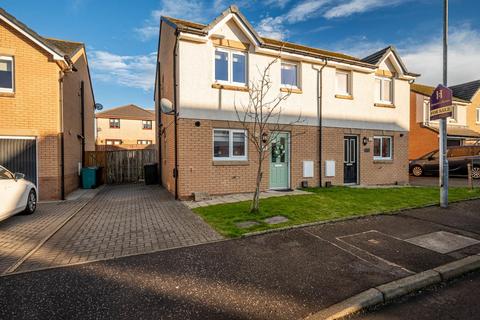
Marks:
<point>365,141</point>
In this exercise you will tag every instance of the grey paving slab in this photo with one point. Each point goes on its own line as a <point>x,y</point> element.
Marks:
<point>122,220</point>
<point>276,220</point>
<point>442,241</point>
<point>246,224</point>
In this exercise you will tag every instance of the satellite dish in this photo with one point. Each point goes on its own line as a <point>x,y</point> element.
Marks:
<point>166,105</point>
<point>98,106</point>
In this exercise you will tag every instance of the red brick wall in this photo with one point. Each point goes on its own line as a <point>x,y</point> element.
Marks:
<point>421,140</point>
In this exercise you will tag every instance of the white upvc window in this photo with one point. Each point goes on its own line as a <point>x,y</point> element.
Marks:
<point>383,90</point>
<point>6,74</point>
<point>343,83</point>
<point>229,144</point>
<point>478,115</point>
<point>382,148</point>
<point>454,117</point>
<point>230,67</point>
<point>289,74</point>
<point>144,141</point>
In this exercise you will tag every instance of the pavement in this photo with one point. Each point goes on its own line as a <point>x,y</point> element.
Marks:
<point>281,275</point>
<point>231,198</point>
<point>456,300</point>
<point>432,181</point>
<point>120,220</point>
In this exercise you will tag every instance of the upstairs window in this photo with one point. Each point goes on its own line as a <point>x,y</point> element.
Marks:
<point>454,117</point>
<point>147,124</point>
<point>229,144</point>
<point>382,148</point>
<point>289,74</point>
<point>383,90</point>
<point>478,115</point>
<point>343,83</point>
<point>6,74</point>
<point>147,142</point>
<point>230,67</point>
<point>114,123</point>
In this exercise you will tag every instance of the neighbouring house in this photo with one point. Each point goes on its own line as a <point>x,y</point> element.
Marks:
<point>125,127</point>
<point>355,112</point>
<point>47,107</point>
<point>470,91</point>
<point>424,133</point>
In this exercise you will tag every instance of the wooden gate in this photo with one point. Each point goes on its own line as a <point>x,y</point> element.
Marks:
<point>122,166</point>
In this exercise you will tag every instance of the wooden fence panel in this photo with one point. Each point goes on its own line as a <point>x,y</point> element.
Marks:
<point>122,166</point>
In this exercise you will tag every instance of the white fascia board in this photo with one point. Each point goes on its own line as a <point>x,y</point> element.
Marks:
<point>319,61</point>
<point>55,55</point>
<point>192,37</point>
<point>395,63</point>
<point>239,23</point>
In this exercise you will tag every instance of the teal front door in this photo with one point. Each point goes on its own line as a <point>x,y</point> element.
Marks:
<point>280,161</point>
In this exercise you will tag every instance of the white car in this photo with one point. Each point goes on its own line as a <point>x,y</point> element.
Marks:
<point>16,194</point>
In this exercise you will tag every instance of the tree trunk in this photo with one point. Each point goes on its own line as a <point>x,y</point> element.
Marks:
<point>255,206</point>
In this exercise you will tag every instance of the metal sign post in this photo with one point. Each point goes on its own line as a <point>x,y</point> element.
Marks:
<point>441,109</point>
<point>443,122</point>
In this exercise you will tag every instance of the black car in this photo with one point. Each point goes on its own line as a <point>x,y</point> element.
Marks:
<point>458,158</point>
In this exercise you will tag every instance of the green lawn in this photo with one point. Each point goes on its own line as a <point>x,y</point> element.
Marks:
<point>325,204</point>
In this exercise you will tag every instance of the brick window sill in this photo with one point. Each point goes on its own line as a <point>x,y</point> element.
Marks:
<point>345,97</point>
<point>383,161</point>
<point>7,94</point>
<point>291,90</point>
<point>229,87</point>
<point>231,163</point>
<point>384,105</point>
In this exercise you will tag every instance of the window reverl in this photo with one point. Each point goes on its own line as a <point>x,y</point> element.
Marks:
<point>6,74</point>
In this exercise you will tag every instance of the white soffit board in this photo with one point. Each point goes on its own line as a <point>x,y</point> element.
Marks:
<point>330,168</point>
<point>308,169</point>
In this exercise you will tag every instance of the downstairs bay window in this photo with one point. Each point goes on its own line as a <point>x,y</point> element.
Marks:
<point>229,144</point>
<point>382,148</point>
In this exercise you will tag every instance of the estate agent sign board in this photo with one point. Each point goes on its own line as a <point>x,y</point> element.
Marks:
<point>441,103</point>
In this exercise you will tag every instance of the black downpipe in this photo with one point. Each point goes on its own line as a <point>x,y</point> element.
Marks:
<point>320,122</point>
<point>82,99</point>
<point>62,164</point>
<point>159,126</point>
<point>175,85</point>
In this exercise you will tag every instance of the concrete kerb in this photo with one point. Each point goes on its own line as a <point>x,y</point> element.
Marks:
<point>391,290</point>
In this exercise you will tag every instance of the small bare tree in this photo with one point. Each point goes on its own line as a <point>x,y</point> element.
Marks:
<point>261,118</point>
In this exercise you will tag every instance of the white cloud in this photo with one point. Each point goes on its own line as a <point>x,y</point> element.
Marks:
<point>425,57</point>
<point>182,9</point>
<point>463,61</point>
<point>305,10</point>
<point>358,6</point>
<point>276,3</point>
<point>129,71</point>
<point>274,27</point>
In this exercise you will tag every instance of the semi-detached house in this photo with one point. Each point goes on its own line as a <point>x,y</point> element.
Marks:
<point>355,112</point>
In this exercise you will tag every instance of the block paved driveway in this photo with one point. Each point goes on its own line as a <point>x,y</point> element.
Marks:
<point>119,221</point>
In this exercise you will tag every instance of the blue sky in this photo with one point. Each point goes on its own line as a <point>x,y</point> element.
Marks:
<point>122,35</point>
